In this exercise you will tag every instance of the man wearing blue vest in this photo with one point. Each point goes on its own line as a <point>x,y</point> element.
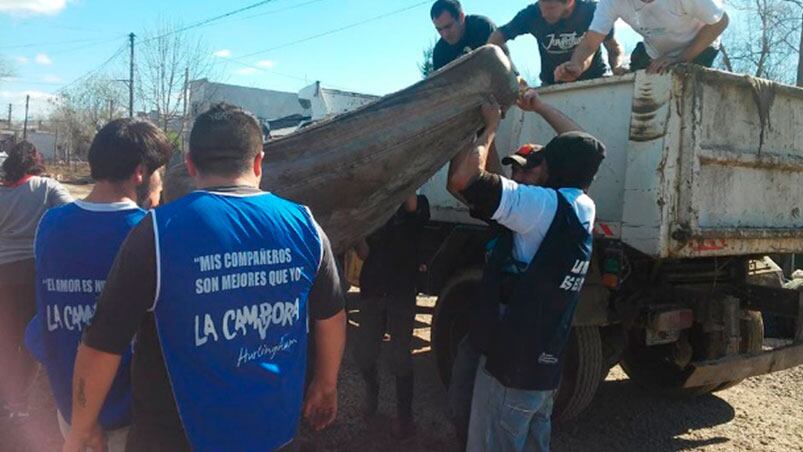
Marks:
<point>74,250</point>
<point>531,281</point>
<point>220,288</point>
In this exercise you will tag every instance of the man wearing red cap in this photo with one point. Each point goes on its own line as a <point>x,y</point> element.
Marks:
<point>532,277</point>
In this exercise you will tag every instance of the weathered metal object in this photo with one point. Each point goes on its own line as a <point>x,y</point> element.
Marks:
<point>700,162</point>
<point>354,170</point>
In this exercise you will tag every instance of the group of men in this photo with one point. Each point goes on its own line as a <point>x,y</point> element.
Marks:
<point>507,370</point>
<point>185,327</point>
<point>569,34</point>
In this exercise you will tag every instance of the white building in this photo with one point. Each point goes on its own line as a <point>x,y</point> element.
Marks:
<point>327,102</point>
<point>279,111</point>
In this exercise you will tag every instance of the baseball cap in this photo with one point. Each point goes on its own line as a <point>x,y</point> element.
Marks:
<point>573,159</point>
<point>527,156</point>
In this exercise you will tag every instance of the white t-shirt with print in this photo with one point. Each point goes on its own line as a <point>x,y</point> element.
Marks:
<point>668,26</point>
<point>529,210</point>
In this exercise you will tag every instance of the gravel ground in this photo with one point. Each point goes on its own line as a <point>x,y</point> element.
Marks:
<point>763,413</point>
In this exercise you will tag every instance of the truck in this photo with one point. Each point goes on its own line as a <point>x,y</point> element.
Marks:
<point>703,179</point>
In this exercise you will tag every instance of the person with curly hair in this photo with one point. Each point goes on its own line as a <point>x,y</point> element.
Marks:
<point>24,198</point>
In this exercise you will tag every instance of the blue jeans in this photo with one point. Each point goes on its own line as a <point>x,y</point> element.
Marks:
<point>506,419</point>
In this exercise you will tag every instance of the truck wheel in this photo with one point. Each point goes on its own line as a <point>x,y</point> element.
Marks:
<point>582,373</point>
<point>451,319</point>
<point>654,367</point>
<point>752,328</point>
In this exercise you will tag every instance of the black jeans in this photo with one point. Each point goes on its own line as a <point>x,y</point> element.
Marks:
<point>396,314</point>
<point>639,59</point>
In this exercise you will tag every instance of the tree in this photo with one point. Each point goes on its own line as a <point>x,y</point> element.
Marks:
<point>84,109</point>
<point>765,42</point>
<point>162,60</point>
<point>425,66</point>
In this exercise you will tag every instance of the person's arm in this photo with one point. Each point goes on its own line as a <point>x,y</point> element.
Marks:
<point>581,58</point>
<point>497,38</point>
<point>92,378</point>
<point>531,101</point>
<point>705,37</point>
<point>614,49</point>
<point>320,406</point>
<point>57,195</point>
<point>467,166</point>
<point>326,309</point>
<point>494,164</point>
<point>362,249</point>
<point>605,16</point>
<point>128,294</point>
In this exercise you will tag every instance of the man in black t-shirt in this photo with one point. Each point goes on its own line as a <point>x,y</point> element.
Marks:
<point>559,26</point>
<point>460,34</point>
<point>388,291</point>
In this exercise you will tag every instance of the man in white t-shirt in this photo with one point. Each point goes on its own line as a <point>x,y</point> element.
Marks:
<point>521,319</point>
<point>674,31</point>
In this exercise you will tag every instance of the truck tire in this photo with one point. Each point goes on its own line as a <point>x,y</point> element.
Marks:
<point>752,328</point>
<point>584,366</point>
<point>582,373</point>
<point>451,317</point>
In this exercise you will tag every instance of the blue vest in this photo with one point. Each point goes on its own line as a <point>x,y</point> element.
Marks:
<point>235,273</point>
<point>74,251</point>
<point>525,345</point>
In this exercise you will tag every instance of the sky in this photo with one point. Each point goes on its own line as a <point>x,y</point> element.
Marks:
<point>365,46</point>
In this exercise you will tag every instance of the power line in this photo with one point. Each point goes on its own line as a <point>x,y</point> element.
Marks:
<point>93,72</point>
<point>336,30</point>
<point>203,22</point>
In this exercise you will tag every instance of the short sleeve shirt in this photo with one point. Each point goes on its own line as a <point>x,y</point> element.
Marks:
<point>668,26</point>
<point>556,42</point>
<point>529,210</point>
<point>478,30</point>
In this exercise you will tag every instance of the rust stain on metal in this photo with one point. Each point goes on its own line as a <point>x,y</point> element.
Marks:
<point>764,97</point>
<point>643,126</point>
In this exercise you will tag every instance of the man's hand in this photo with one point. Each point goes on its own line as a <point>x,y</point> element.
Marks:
<point>491,114</point>
<point>79,440</point>
<point>620,70</point>
<point>320,408</point>
<point>661,65</point>
<point>568,72</point>
<point>531,101</point>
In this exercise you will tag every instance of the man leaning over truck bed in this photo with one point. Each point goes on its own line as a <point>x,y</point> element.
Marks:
<point>532,278</point>
<point>674,31</point>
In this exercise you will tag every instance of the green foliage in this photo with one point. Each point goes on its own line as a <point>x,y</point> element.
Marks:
<point>425,66</point>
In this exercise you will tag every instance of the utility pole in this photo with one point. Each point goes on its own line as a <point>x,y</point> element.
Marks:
<point>186,100</point>
<point>9,116</point>
<point>131,78</point>
<point>800,59</point>
<point>25,124</point>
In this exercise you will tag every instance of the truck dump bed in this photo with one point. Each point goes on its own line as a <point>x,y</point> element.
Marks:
<point>700,162</point>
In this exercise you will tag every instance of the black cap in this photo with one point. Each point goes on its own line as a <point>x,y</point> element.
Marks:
<point>573,159</point>
<point>527,156</point>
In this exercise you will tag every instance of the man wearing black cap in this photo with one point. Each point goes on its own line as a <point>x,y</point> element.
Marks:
<point>532,278</point>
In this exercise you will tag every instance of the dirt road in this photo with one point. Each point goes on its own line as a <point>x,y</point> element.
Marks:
<point>761,414</point>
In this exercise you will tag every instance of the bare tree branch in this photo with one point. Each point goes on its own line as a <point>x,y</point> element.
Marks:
<point>164,59</point>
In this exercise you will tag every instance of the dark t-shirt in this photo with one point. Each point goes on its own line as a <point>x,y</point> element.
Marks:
<point>556,42</point>
<point>123,312</point>
<point>478,30</point>
<point>392,264</point>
